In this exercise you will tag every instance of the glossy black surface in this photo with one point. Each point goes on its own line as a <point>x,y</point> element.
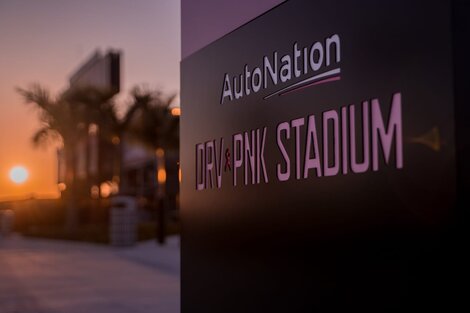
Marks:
<point>375,241</point>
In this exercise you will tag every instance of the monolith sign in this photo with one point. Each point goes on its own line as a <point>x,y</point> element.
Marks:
<point>318,157</point>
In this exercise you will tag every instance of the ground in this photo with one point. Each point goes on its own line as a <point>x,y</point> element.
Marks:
<point>43,276</point>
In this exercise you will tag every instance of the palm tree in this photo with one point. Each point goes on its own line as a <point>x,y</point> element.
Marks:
<point>60,122</point>
<point>65,119</point>
<point>121,126</point>
<point>158,129</point>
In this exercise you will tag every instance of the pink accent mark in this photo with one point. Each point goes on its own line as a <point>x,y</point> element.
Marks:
<point>326,80</point>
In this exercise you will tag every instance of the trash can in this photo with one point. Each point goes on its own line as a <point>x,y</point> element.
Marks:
<point>6,222</point>
<point>123,230</point>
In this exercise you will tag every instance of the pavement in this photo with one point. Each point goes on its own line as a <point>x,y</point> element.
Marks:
<point>47,276</point>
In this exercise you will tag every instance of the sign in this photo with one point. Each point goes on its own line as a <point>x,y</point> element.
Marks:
<point>318,159</point>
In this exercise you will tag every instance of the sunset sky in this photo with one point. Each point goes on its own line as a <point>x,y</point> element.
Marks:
<point>46,41</point>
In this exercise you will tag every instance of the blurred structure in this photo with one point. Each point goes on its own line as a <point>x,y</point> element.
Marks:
<point>96,158</point>
<point>119,162</point>
<point>103,154</point>
<point>122,228</point>
<point>152,173</point>
<point>101,71</point>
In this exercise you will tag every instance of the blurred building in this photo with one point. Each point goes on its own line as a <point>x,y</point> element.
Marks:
<point>102,71</point>
<point>105,167</point>
<point>150,174</point>
<point>96,159</point>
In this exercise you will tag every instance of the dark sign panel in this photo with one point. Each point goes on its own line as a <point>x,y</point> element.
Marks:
<point>318,159</point>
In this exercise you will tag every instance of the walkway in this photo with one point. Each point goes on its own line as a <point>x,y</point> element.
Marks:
<point>43,276</point>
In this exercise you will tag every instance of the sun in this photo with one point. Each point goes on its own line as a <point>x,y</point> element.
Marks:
<point>18,174</point>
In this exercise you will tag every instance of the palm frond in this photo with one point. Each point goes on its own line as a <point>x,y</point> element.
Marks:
<point>36,95</point>
<point>45,135</point>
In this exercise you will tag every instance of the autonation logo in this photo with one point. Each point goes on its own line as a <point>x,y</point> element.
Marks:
<point>312,62</point>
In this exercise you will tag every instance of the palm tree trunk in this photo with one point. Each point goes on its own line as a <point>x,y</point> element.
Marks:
<point>161,221</point>
<point>159,195</point>
<point>71,212</point>
<point>120,156</point>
